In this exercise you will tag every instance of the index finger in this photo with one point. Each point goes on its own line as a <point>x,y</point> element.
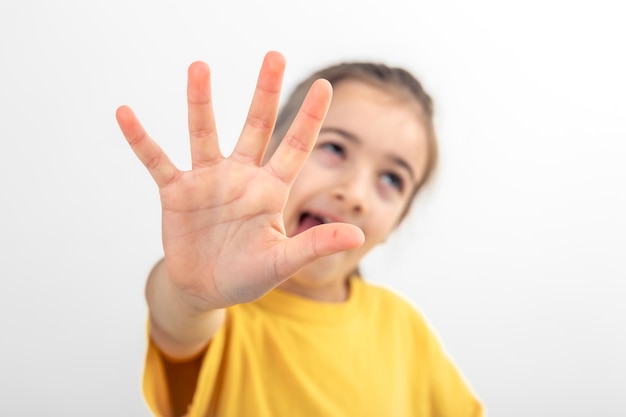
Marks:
<point>299,140</point>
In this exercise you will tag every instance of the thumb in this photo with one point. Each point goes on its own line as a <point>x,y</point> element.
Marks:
<point>317,242</point>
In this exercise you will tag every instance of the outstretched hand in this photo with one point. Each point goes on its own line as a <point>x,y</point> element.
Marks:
<point>223,234</point>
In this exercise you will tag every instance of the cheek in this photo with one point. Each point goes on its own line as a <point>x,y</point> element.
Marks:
<point>378,230</point>
<point>306,184</point>
<point>306,176</point>
<point>303,182</point>
<point>387,219</point>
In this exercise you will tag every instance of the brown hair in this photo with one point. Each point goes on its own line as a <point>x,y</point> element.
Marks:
<point>395,80</point>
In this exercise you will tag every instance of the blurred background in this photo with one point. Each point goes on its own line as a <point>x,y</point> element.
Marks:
<point>515,254</point>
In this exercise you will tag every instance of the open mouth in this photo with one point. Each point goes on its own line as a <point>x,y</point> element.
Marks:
<point>308,220</point>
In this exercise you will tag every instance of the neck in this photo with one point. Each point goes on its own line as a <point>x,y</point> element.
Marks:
<point>333,292</point>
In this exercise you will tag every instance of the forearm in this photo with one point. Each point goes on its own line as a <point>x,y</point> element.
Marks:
<point>176,328</point>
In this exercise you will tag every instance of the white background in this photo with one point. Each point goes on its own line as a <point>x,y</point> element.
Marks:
<point>516,254</point>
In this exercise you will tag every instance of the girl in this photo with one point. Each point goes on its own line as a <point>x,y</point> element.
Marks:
<point>257,308</point>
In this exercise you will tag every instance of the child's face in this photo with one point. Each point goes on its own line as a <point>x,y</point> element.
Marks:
<point>370,153</point>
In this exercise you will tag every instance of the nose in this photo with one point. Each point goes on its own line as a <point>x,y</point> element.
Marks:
<point>352,191</point>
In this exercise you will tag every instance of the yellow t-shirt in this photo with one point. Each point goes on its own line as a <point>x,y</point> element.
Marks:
<point>285,355</point>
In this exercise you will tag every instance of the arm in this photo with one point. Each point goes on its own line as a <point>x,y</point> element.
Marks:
<point>178,331</point>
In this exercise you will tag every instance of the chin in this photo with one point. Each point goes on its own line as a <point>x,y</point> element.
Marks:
<point>324,270</point>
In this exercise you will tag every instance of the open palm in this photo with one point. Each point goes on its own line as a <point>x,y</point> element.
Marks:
<point>223,234</point>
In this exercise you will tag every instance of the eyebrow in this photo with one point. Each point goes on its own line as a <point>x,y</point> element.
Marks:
<point>353,138</point>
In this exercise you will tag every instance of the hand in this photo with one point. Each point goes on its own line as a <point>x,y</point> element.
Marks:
<point>223,234</point>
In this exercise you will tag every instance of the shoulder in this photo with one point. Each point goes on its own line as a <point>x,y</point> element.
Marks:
<point>389,303</point>
<point>400,323</point>
<point>377,292</point>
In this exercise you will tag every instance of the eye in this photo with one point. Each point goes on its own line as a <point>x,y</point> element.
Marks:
<point>393,180</point>
<point>334,148</point>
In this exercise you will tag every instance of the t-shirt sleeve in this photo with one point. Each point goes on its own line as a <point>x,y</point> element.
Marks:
<point>157,392</point>
<point>437,386</point>
<point>165,398</point>
<point>451,396</point>
<point>155,387</point>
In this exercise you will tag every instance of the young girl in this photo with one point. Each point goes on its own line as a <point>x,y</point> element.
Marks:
<point>257,308</point>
